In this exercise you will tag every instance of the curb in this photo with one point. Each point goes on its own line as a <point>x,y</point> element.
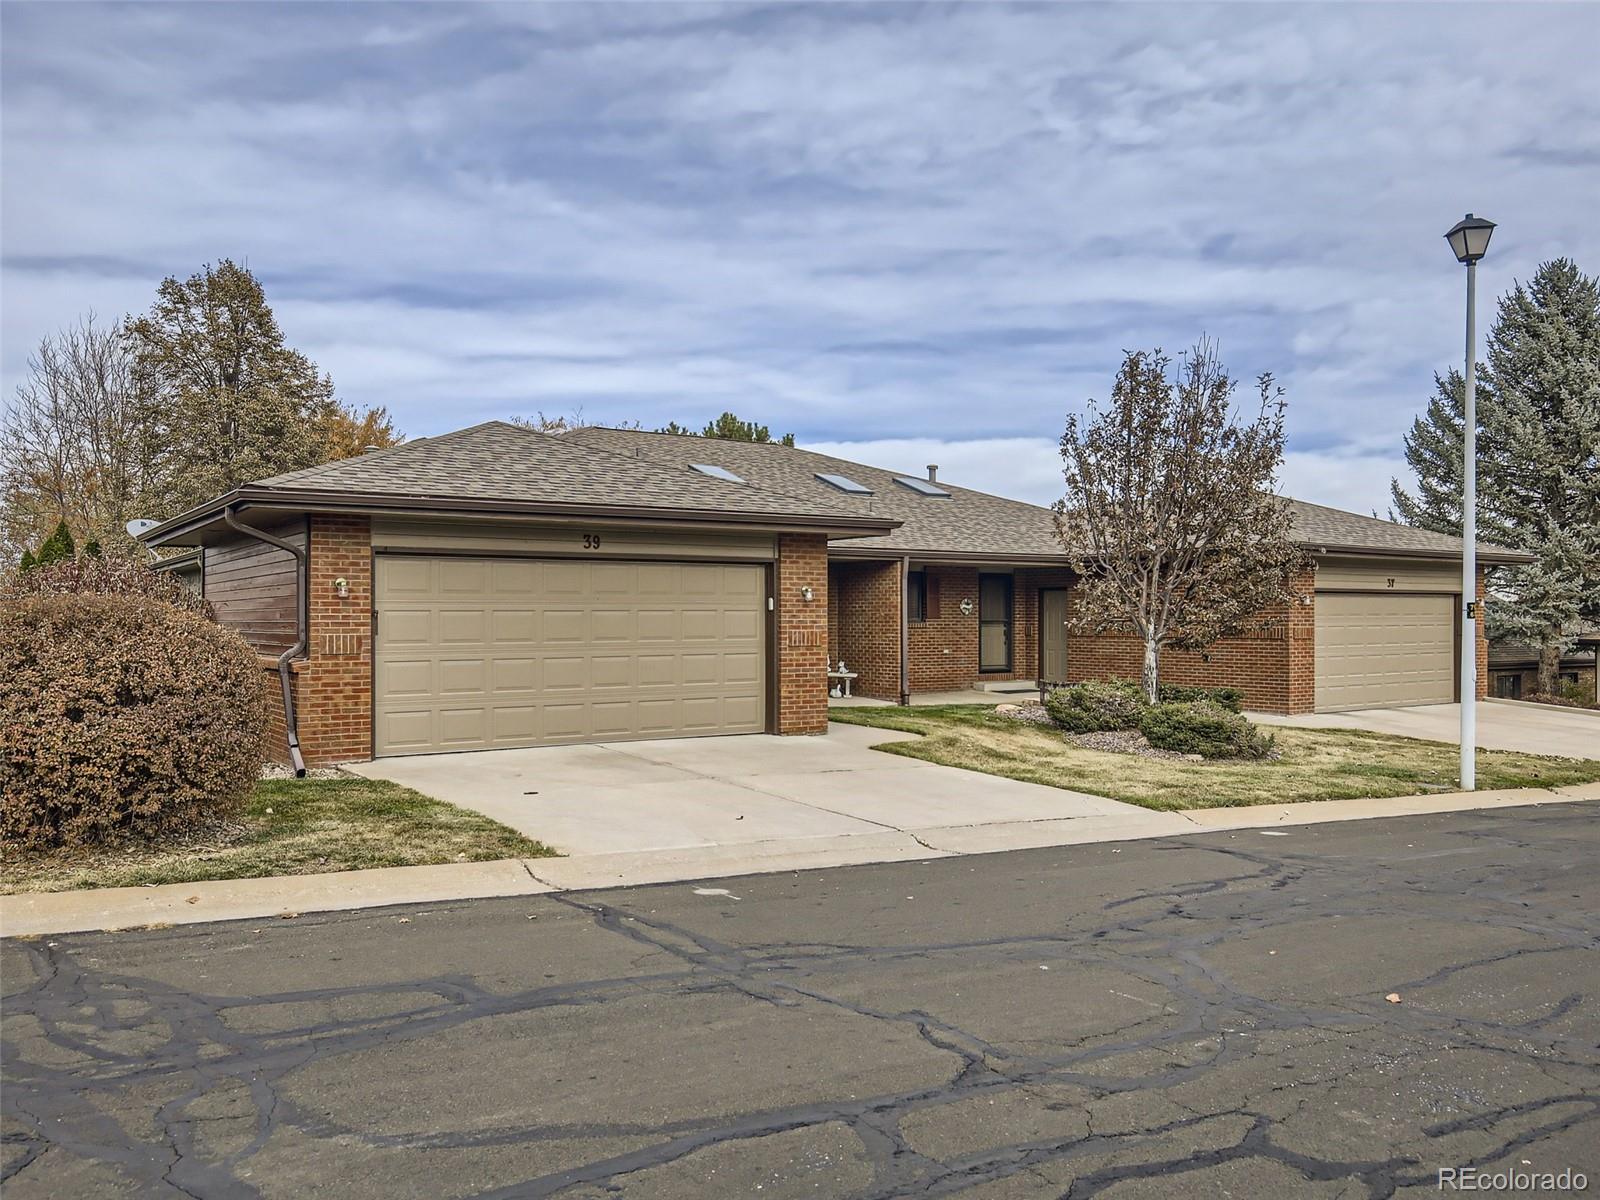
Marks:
<point>31,914</point>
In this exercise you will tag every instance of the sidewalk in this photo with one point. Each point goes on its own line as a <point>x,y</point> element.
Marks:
<point>289,896</point>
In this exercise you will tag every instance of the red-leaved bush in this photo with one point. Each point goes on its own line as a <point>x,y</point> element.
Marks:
<point>121,716</point>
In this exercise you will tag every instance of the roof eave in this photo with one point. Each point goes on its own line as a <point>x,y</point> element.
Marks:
<point>1491,558</point>
<point>375,504</point>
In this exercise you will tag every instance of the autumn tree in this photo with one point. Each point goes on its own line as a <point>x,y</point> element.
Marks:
<point>1170,515</point>
<point>347,433</point>
<point>73,445</point>
<point>230,400</point>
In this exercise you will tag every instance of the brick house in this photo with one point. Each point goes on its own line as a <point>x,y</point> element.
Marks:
<point>497,587</point>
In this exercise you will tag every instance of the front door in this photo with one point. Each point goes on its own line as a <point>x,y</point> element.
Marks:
<point>994,622</point>
<point>1053,635</point>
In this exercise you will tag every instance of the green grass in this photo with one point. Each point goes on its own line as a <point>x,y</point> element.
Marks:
<point>289,827</point>
<point>1315,764</point>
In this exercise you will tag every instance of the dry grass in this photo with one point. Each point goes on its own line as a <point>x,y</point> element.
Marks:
<point>1315,764</point>
<point>290,827</point>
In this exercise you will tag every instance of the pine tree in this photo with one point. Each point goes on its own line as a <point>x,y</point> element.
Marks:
<point>1433,451</point>
<point>28,562</point>
<point>58,546</point>
<point>1543,476</point>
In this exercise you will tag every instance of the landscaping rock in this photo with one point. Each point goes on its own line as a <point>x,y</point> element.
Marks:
<point>1034,714</point>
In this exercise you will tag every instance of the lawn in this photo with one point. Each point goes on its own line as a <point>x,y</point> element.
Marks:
<point>289,827</point>
<point>1315,764</point>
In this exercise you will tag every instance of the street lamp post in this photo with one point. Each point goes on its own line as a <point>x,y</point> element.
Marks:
<point>1469,238</point>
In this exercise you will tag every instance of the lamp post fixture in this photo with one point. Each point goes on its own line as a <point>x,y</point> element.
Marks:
<point>1469,238</point>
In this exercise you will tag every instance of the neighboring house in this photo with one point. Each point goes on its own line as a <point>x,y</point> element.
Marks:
<point>1514,669</point>
<point>498,587</point>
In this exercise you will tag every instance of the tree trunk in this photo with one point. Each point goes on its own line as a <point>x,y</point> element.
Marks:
<point>1549,668</point>
<point>1151,677</point>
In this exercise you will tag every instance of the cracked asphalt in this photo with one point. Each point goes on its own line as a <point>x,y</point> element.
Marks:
<point>1203,1015</point>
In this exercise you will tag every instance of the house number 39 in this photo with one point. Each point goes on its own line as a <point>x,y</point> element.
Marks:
<point>591,541</point>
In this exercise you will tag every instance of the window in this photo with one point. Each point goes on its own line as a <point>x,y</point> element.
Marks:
<point>921,486</point>
<point>1508,686</point>
<point>1567,677</point>
<point>845,484</point>
<point>715,472</point>
<point>916,597</point>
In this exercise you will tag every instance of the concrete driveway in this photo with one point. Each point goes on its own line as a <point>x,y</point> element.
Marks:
<point>1502,725</point>
<point>624,797</point>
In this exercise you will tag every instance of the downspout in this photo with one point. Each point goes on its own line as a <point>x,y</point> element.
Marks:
<point>291,725</point>
<point>905,632</point>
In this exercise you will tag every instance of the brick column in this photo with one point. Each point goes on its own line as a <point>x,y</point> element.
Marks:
<point>1483,641</point>
<point>1301,664</point>
<point>334,689</point>
<point>802,689</point>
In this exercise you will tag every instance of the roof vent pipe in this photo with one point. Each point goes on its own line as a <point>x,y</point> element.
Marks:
<point>933,472</point>
<point>291,724</point>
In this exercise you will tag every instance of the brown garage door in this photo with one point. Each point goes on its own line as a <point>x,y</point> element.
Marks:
<point>479,653</point>
<point>1384,649</point>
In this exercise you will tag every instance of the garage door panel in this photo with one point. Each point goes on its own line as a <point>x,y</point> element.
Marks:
<point>462,626</point>
<point>515,724</point>
<point>479,653</point>
<point>1384,649</point>
<point>509,675</point>
<point>462,676</point>
<point>508,625</point>
<point>406,627</point>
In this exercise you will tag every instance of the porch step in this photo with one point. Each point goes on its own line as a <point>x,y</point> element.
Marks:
<point>1010,686</point>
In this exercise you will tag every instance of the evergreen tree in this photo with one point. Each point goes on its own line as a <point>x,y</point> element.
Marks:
<point>1433,451</point>
<point>28,561</point>
<point>1544,475</point>
<point>1538,408</point>
<point>730,428</point>
<point>230,400</point>
<point>59,545</point>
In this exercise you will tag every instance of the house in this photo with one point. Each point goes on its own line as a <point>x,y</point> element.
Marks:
<point>1514,668</point>
<point>498,587</point>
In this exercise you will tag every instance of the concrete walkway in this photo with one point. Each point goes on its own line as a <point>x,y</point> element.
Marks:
<point>686,793</point>
<point>1502,725</point>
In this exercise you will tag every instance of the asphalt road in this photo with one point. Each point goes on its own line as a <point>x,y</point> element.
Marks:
<point>1199,1016</point>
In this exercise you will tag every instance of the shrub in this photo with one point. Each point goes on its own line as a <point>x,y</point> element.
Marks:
<point>58,546</point>
<point>1231,698</point>
<point>1204,728</point>
<point>1090,707</point>
<point>103,576</point>
<point>121,716</point>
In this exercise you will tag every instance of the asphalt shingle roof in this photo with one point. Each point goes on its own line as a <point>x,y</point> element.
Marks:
<point>968,522</point>
<point>498,461</point>
<point>501,461</point>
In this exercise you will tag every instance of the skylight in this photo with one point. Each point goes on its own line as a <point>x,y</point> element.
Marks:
<point>844,484</point>
<point>715,472</point>
<point>921,486</point>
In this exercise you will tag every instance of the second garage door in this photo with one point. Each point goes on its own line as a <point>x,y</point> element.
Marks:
<point>480,653</point>
<point>1376,650</point>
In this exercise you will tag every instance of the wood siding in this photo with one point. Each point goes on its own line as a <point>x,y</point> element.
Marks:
<point>252,587</point>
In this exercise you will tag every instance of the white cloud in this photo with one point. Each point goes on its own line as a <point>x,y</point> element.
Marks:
<point>849,221</point>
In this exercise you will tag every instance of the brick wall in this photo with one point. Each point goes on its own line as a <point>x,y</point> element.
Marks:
<point>864,624</point>
<point>334,689</point>
<point>1272,664</point>
<point>274,741</point>
<point>1483,641</point>
<point>944,646</point>
<point>802,684</point>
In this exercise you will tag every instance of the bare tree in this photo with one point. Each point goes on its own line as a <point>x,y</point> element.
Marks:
<point>73,445</point>
<point>1170,512</point>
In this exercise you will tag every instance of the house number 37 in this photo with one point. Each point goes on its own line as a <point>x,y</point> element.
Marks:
<point>591,541</point>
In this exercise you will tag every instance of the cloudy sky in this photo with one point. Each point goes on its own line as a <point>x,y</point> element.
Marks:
<point>906,233</point>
